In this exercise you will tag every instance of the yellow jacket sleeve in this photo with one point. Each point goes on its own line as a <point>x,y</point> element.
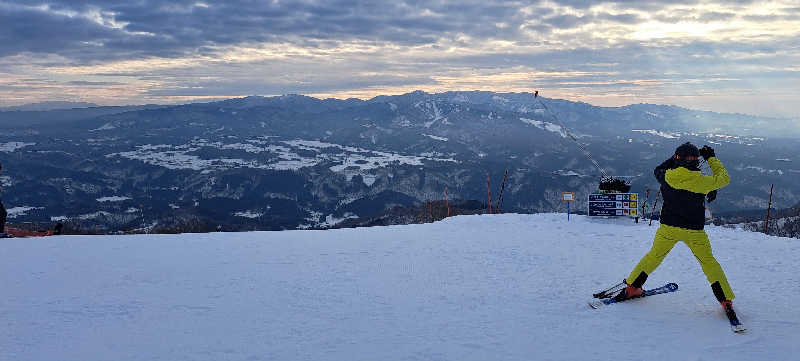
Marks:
<point>694,181</point>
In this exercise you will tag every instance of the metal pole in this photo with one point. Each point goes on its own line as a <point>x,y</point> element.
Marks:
<point>447,201</point>
<point>766,223</point>
<point>489,192</point>
<point>568,211</point>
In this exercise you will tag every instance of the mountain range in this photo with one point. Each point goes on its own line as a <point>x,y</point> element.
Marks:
<point>293,161</point>
<point>49,105</point>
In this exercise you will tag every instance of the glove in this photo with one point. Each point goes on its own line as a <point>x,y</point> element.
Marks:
<point>707,152</point>
<point>711,196</point>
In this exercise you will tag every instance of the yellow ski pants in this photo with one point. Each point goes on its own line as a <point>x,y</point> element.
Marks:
<point>697,240</point>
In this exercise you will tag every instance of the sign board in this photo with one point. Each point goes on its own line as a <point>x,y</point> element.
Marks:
<point>568,196</point>
<point>614,204</point>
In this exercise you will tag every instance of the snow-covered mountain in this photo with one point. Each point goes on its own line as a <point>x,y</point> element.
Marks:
<point>489,287</point>
<point>294,162</point>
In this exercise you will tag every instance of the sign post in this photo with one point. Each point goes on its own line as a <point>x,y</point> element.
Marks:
<point>568,197</point>
<point>614,204</point>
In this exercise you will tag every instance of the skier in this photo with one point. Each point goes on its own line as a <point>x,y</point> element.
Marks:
<point>684,190</point>
<point>3,213</point>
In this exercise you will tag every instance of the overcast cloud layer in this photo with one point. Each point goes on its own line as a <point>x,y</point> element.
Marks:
<point>731,56</point>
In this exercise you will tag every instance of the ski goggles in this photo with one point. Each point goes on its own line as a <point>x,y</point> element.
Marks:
<point>688,157</point>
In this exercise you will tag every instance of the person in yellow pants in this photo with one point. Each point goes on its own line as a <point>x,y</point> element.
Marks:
<point>684,190</point>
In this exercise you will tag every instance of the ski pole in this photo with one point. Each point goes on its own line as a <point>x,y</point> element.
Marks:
<point>655,205</point>
<point>500,197</point>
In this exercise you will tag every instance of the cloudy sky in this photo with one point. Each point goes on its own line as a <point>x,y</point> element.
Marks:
<point>728,56</point>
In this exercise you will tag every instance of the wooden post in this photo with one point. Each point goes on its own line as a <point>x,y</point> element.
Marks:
<point>769,206</point>
<point>447,201</point>
<point>489,192</point>
<point>430,211</point>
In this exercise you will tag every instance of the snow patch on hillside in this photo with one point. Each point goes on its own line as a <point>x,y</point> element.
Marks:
<point>500,99</point>
<point>657,133</point>
<point>10,147</point>
<point>555,128</point>
<point>107,126</point>
<point>20,211</point>
<point>284,155</point>
<point>443,139</point>
<point>95,215</point>
<point>568,173</point>
<point>431,109</point>
<point>249,214</point>
<point>460,98</point>
<point>759,169</point>
<point>113,199</point>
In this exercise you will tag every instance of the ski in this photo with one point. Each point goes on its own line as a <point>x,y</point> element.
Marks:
<point>669,287</point>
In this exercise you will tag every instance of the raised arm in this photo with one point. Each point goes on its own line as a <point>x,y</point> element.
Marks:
<point>694,181</point>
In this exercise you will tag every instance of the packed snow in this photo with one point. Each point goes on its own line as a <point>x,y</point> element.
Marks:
<point>488,287</point>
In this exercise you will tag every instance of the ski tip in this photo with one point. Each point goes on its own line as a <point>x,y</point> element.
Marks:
<point>672,286</point>
<point>595,304</point>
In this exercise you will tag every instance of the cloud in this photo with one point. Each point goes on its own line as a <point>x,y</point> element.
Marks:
<point>92,83</point>
<point>98,30</point>
<point>157,50</point>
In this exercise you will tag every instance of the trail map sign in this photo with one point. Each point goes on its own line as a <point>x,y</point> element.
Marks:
<point>614,204</point>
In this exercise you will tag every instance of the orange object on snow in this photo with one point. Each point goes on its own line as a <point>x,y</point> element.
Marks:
<point>18,232</point>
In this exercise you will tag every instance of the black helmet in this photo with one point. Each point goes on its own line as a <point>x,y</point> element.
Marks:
<point>687,155</point>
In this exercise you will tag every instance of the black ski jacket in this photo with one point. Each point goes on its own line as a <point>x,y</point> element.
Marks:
<point>684,192</point>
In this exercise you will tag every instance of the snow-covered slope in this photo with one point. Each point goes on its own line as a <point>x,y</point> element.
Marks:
<point>501,287</point>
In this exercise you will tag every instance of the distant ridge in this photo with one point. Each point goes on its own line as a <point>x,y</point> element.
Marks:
<point>49,105</point>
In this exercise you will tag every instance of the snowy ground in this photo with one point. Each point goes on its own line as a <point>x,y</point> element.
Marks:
<point>503,287</point>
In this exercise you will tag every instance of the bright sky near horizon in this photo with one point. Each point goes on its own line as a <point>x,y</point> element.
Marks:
<point>726,56</point>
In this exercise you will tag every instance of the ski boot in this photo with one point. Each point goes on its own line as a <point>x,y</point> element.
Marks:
<point>736,326</point>
<point>629,292</point>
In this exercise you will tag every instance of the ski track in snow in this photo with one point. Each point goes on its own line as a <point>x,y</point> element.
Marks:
<point>501,287</point>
